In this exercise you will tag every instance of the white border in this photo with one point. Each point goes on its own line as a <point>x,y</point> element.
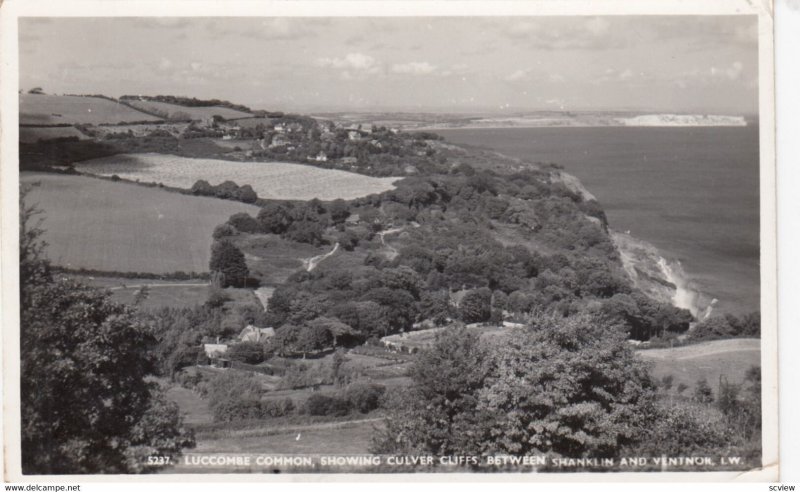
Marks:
<point>9,178</point>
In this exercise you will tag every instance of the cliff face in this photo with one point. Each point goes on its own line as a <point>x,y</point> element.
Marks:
<point>682,120</point>
<point>661,279</point>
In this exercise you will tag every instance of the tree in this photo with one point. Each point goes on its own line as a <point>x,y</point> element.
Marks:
<point>476,306</point>
<point>246,194</point>
<point>274,218</point>
<point>339,211</point>
<point>247,352</point>
<point>228,260</point>
<point>202,187</point>
<point>306,231</point>
<point>313,337</point>
<point>86,406</point>
<point>567,385</point>
<point>244,222</point>
<point>439,414</point>
<point>223,230</point>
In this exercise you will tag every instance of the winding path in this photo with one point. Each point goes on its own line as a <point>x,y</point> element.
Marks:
<point>392,250</point>
<point>311,263</point>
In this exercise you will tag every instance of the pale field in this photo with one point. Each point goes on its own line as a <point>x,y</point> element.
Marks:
<point>270,180</point>
<point>37,109</point>
<point>33,134</point>
<point>115,226</point>
<point>195,113</point>
<point>727,359</point>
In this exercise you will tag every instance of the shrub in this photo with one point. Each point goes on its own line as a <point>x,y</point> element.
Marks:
<point>318,404</point>
<point>217,298</point>
<point>247,352</point>
<point>277,408</point>
<point>683,429</point>
<point>235,409</point>
<point>364,397</point>
<point>703,392</point>
<point>233,385</point>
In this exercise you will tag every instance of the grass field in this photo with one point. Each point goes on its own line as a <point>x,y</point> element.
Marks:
<point>35,109</point>
<point>161,293</point>
<point>103,225</point>
<point>709,360</point>
<point>275,180</point>
<point>272,259</point>
<point>195,113</point>
<point>34,134</point>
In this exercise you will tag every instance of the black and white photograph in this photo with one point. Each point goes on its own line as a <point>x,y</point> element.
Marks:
<point>382,242</point>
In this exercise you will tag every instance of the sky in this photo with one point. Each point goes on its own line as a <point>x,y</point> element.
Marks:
<point>702,64</point>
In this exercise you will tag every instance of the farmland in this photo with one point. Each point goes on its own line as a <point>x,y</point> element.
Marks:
<point>271,180</point>
<point>175,111</point>
<point>709,360</point>
<point>40,109</point>
<point>33,134</point>
<point>97,224</point>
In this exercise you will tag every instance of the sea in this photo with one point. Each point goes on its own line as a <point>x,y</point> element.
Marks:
<point>690,192</point>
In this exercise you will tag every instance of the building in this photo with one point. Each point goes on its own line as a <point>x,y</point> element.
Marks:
<point>215,350</point>
<point>279,140</point>
<point>257,335</point>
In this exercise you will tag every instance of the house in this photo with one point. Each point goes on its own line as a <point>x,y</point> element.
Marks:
<point>349,160</point>
<point>215,350</point>
<point>279,140</point>
<point>280,128</point>
<point>321,157</point>
<point>252,333</point>
<point>354,135</point>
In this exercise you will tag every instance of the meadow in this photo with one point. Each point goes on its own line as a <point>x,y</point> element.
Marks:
<point>270,180</point>
<point>729,359</point>
<point>112,226</point>
<point>175,111</point>
<point>41,109</point>
<point>29,134</point>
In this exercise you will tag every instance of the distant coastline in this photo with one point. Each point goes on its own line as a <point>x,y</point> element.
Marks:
<point>590,121</point>
<point>540,119</point>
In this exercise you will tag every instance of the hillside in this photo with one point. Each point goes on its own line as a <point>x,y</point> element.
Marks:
<point>120,227</point>
<point>339,268</point>
<point>42,109</point>
<point>169,111</point>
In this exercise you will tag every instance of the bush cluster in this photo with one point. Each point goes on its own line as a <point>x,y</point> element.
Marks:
<point>227,190</point>
<point>237,409</point>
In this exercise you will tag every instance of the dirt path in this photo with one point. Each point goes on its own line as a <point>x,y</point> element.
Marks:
<point>311,263</point>
<point>263,294</point>
<point>704,349</point>
<point>392,250</point>
<point>139,286</point>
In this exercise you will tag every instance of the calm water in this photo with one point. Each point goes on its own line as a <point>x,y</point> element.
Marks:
<point>692,192</point>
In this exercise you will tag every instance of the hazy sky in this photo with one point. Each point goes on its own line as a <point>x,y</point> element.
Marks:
<point>662,63</point>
